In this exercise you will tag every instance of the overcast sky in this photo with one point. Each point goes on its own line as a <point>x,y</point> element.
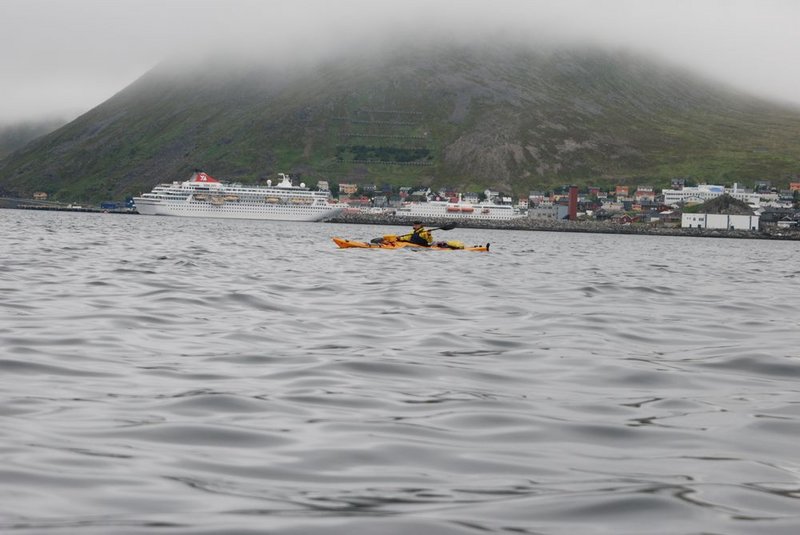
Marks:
<point>63,57</point>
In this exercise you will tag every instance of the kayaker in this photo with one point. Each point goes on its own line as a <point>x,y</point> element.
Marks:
<point>419,235</point>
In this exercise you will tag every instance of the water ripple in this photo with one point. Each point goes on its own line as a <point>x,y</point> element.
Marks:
<point>175,376</point>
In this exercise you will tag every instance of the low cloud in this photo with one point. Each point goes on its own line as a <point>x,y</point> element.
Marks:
<point>67,57</point>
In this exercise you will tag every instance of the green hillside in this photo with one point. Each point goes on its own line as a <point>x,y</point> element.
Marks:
<point>16,136</point>
<point>508,118</point>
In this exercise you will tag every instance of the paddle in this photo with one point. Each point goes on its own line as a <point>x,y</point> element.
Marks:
<point>446,226</point>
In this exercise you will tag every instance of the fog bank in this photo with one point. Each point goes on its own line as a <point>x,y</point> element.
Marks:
<point>63,58</point>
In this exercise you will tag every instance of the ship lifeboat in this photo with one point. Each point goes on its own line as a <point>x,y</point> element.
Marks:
<point>467,209</point>
<point>217,200</point>
<point>230,198</point>
<point>485,211</point>
<point>453,209</point>
<point>272,200</point>
<point>201,197</point>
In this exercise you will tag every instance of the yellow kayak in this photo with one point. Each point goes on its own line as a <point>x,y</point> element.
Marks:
<point>437,246</point>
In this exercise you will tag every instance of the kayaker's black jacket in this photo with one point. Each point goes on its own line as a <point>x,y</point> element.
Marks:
<point>421,237</point>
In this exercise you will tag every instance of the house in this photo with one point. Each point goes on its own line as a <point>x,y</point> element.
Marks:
<point>358,202</point>
<point>601,214</point>
<point>610,206</point>
<point>348,189</point>
<point>535,197</point>
<point>670,218</point>
<point>644,193</point>
<point>420,195</point>
<point>763,186</point>
<point>40,196</point>
<point>772,216</point>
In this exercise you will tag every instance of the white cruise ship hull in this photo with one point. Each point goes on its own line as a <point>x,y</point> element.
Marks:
<point>205,196</point>
<point>237,210</point>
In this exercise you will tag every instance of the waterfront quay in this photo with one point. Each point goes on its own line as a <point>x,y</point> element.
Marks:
<point>520,223</point>
<point>27,204</point>
<point>552,225</point>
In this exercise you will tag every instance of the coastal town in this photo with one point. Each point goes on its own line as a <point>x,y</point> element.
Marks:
<point>735,210</point>
<point>702,206</point>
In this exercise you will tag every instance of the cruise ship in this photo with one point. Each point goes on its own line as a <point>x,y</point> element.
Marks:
<point>459,210</point>
<point>204,196</point>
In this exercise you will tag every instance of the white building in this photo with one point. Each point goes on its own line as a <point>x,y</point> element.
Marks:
<point>698,194</point>
<point>720,221</point>
<point>548,211</point>
<point>741,194</point>
<point>706,192</point>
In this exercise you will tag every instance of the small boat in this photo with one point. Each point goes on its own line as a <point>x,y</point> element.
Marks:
<point>437,246</point>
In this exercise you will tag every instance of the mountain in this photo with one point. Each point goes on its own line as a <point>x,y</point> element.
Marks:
<point>506,117</point>
<point>17,135</point>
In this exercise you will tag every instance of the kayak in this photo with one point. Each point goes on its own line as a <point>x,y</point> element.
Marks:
<point>353,244</point>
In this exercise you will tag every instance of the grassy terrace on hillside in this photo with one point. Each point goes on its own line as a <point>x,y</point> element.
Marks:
<point>382,154</point>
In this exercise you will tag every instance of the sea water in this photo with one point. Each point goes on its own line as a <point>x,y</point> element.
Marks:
<point>168,375</point>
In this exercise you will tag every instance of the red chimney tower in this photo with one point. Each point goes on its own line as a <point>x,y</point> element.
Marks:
<point>573,203</point>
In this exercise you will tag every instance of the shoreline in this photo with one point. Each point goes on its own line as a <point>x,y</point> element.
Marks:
<point>589,227</point>
<point>523,223</point>
<point>14,204</point>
